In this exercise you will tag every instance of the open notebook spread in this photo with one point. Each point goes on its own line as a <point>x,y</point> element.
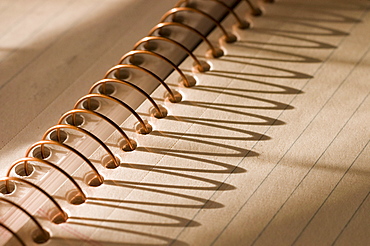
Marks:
<point>270,147</point>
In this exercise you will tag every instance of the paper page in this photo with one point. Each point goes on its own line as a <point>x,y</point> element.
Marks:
<point>269,148</point>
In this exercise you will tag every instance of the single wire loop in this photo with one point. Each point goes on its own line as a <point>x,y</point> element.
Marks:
<point>13,233</point>
<point>172,96</point>
<point>229,38</point>
<point>146,52</point>
<point>199,66</point>
<point>216,52</point>
<point>78,200</point>
<point>160,112</point>
<point>255,10</point>
<point>73,112</point>
<point>241,24</point>
<point>65,146</point>
<point>42,236</point>
<point>62,216</point>
<point>65,126</point>
<point>145,127</point>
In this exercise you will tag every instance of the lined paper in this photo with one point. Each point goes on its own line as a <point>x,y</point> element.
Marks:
<point>303,164</point>
<point>271,147</point>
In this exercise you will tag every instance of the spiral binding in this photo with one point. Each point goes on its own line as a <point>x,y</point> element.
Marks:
<point>101,90</point>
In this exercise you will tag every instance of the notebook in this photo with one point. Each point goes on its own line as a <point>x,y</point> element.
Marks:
<point>264,144</point>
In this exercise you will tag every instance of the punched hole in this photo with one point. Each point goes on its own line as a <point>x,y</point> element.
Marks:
<point>178,18</point>
<point>164,32</point>
<point>20,170</point>
<point>57,217</point>
<point>41,152</point>
<point>177,97</point>
<point>7,190</point>
<point>244,25</point>
<point>163,112</point>
<point>141,130</point>
<point>106,89</point>
<point>75,197</point>
<point>76,120</point>
<point>92,179</point>
<point>61,138</point>
<point>190,79</point>
<point>126,147</point>
<point>136,60</point>
<point>122,74</point>
<point>109,163</point>
<point>217,52</point>
<point>40,237</point>
<point>204,66</point>
<point>230,38</point>
<point>257,12</point>
<point>151,46</point>
<point>91,104</point>
<point>191,5</point>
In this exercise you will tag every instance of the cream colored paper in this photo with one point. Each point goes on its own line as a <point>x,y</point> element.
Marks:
<point>269,148</point>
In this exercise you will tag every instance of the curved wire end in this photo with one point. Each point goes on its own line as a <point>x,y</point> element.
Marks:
<point>202,66</point>
<point>257,12</point>
<point>230,38</point>
<point>244,25</point>
<point>190,81</point>
<point>94,180</point>
<point>217,52</point>
<point>39,236</point>
<point>57,217</point>
<point>141,130</point>
<point>131,145</point>
<point>76,197</point>
<point>159,113</point>
<point>175,97</point>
